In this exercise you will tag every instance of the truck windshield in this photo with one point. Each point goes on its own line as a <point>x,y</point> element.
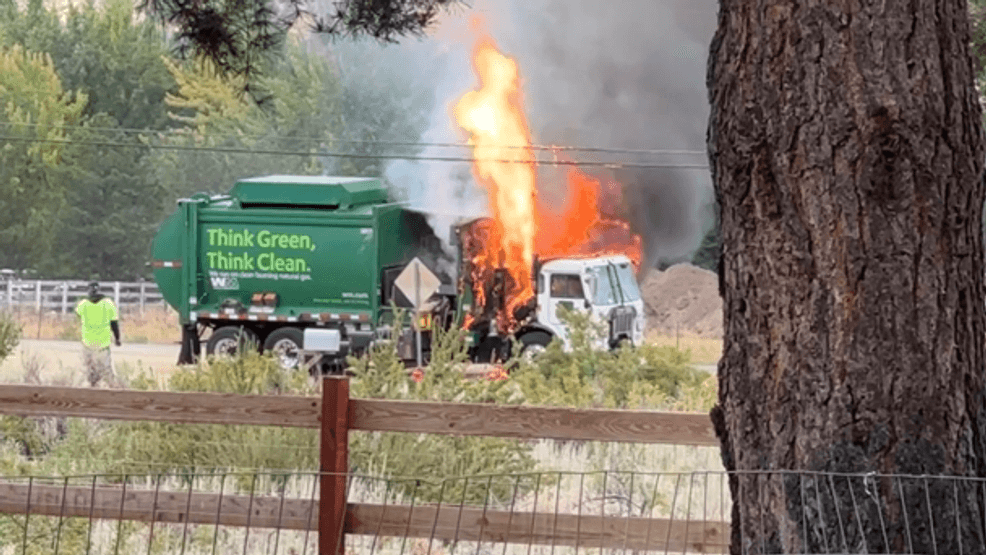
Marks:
<point>628,282</point>
<point>613,284</point>
<point>604,291</point>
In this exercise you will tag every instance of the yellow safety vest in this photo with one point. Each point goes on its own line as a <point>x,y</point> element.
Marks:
<point>96,318</point>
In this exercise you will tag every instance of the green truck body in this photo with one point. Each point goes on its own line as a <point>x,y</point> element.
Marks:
<point>287,249</point>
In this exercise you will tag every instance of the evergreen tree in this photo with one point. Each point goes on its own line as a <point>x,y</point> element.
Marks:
<point>709,251</point>
<point>115,204</point>
<point>104,173</point>
<point>34,112</point>
<point>226,137</point>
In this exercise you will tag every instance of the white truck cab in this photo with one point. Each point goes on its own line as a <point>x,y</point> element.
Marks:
<point>603,286</point>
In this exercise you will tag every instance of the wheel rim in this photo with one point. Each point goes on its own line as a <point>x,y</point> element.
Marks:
<point>286,352</point>
<point>532,351</point>
<point>226,347</point>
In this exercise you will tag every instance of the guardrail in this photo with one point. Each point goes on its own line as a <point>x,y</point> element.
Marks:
<point>62,295</point>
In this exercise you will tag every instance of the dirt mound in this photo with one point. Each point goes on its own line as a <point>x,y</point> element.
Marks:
<point>683,298</point>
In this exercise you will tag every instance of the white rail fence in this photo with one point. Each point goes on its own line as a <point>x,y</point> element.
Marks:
<point>62,295</point>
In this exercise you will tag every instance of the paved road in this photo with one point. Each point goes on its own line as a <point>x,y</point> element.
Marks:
<point>61,361</point>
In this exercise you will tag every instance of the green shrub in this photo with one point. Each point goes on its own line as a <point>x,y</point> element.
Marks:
<point>149,447</point>
<point>247,374</point>
<point>10,335</point>
<point>646,377</point>
<point>381,374</point>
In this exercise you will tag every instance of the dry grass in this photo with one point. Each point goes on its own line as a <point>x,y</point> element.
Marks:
<point>156,325</point>
<point>703,350</point>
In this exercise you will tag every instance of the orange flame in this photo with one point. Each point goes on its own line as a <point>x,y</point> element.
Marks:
<point>497,374</point>
<point>523,225</point>
<point>580,228</point>
<point>494,118</point>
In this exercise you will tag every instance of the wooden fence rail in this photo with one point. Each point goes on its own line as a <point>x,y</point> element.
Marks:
<point>62,295</point>
<point>335,414</point>
<point>369,415</point>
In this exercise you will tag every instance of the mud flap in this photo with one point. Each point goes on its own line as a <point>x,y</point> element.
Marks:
<point>190,347</point>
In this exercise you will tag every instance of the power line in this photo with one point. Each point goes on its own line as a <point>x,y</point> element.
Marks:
<point>230,150</point>
<point>550,148</point>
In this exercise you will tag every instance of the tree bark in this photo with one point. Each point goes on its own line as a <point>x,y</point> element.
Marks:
<point>846,147</point>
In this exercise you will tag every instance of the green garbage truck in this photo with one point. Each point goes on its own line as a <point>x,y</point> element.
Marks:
<point>291,264</point>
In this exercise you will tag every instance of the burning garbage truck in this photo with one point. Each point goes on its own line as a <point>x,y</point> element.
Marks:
<point>292,263</point>
<point>295,263</point>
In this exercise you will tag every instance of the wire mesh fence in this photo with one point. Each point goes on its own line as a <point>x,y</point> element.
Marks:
<point>541,513</point>
<point>161,513</point>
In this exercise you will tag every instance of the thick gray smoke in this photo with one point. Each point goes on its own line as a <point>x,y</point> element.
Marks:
<point>621,74</point>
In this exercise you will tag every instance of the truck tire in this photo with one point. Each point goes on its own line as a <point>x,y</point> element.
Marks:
<point>533,343</point>
<point>284,344</point>
<point>228,341</point>
<point>622,342</point>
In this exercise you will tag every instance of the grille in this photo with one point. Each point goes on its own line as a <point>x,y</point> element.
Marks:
<point>621,321</point>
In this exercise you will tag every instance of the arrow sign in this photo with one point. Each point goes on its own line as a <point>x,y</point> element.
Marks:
<point>417,282</point>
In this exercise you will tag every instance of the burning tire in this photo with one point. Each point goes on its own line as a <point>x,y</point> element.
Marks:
<point>228,341</point>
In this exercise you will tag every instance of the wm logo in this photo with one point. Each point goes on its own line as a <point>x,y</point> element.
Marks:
<point>224,282</point>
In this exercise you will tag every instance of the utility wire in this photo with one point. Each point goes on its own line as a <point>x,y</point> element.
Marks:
<point>551,148</point>
<point>230,150</point>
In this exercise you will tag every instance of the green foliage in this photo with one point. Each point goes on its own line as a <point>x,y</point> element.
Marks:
<point>302,118</point>
<point>647,376</point>
<point>248,374</point>
<point>72,533</point>
<point>238,36</point>
<point>709,250</point>
<point>10,334</point>
<point>149,447</point>
<point>86,196</point>
<point>381,374</point>
<point>113,209</point>
<point>25,433</point>
<point>707,255</point>
<point>108,204</point>
<point>382,99</point>
<point>33,109</point>
<point>104,51</point>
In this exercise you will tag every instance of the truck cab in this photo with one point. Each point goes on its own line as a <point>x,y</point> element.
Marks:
<point>605,287</point>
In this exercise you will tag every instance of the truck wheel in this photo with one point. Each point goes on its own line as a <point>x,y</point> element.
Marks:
<point>533,344</point>
<point>227,341</point>
<point>285,344</point>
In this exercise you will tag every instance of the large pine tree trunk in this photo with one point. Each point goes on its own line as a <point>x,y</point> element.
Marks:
<point>846,149</point>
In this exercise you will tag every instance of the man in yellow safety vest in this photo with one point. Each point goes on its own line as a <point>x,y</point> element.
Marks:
<point>99,319</point>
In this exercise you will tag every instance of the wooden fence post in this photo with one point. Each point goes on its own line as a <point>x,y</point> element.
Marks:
<point>116,294</point>
<point>65,298</point>
<point>37,296</point>
<point>10,294</point>
<point>334,465</point>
